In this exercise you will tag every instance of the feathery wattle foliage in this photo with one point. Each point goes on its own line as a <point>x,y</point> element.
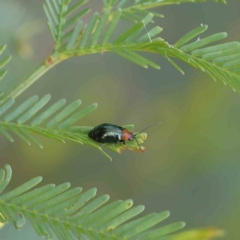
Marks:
<point>63,213</point>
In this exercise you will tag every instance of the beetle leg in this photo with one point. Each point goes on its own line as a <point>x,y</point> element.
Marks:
<point>125,144</point>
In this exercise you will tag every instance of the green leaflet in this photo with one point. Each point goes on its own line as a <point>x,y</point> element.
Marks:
<point>69,212</point>
<point>88,31</point>
<point>131,58</point>
<point>6,135</point>
<point>34,109</point>
<point>89,208</point>
<point>114,223</point>
<point>6,106</point>
<point>75,7</point>
<point>2,48</point>
<point>51,110</point>
<point>6,177</point>
<point>128,33</point>
<point>150,34</point>
<point>70,121</point>
<point>3,62</point>
<point>64,113</point>
<point>99,29</point>
<point>137,58</point>
<point>63,197</point>
<point>161,231</point>
<point>75,34</point>
<point>216,48</point>
<point>190,35</point>
<point>199,233</point>
<point>155,219</point>
<point>76,18</point>
<point>19,110</point>
<point>21,189</point>
<point>203,42</point>
<point>112,26</point>
<point>2,73</point>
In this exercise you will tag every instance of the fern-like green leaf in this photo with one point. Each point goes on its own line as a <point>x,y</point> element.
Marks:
<point>64,213</point>
<point>3,62</point>
<point>55,122</point>
<point>91,42</point>
<point>73,39</point>
<point>64,20</point>
<point>219,61</point>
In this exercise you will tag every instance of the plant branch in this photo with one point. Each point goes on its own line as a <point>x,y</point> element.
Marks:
<point>33,77</point>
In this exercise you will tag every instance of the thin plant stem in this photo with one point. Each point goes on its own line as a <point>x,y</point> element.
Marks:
<point>28,81</point>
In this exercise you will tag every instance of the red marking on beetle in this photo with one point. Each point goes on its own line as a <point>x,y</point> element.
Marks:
<point>127,135</point>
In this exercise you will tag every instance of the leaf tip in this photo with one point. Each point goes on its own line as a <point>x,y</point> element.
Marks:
<point>225,34</point>
<point>167,213</point>
<point>7,166</point>
<point>68,184</point>
<point>205,26</point>
<point>107,197</point>
<point>39,179</point>
<point>94,190</point>
<point>129,203</point>
<point>183,224</point>
<point>79,101</point>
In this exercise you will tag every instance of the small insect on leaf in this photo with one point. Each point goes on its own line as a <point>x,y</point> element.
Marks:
<point>109,133</point>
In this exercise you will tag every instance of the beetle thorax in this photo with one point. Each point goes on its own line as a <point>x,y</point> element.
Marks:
<point>127,135</point>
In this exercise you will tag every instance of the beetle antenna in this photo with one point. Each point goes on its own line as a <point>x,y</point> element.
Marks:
<point>147,128</point>
<point>138,145</point>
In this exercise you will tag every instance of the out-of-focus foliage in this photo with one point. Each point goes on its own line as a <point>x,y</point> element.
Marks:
<point>198,234</point>
<point>3,62</point>
<point>18,34</point>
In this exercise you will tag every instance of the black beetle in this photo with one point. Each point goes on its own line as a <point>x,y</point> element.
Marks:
<point>110,133</point>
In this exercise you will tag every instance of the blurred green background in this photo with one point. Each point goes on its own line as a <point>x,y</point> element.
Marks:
<point>191,164</point>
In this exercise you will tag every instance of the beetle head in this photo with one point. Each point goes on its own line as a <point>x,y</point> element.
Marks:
<point>127,135</point>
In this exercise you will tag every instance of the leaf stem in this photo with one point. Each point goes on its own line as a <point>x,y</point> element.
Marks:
<point>33,77</point>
